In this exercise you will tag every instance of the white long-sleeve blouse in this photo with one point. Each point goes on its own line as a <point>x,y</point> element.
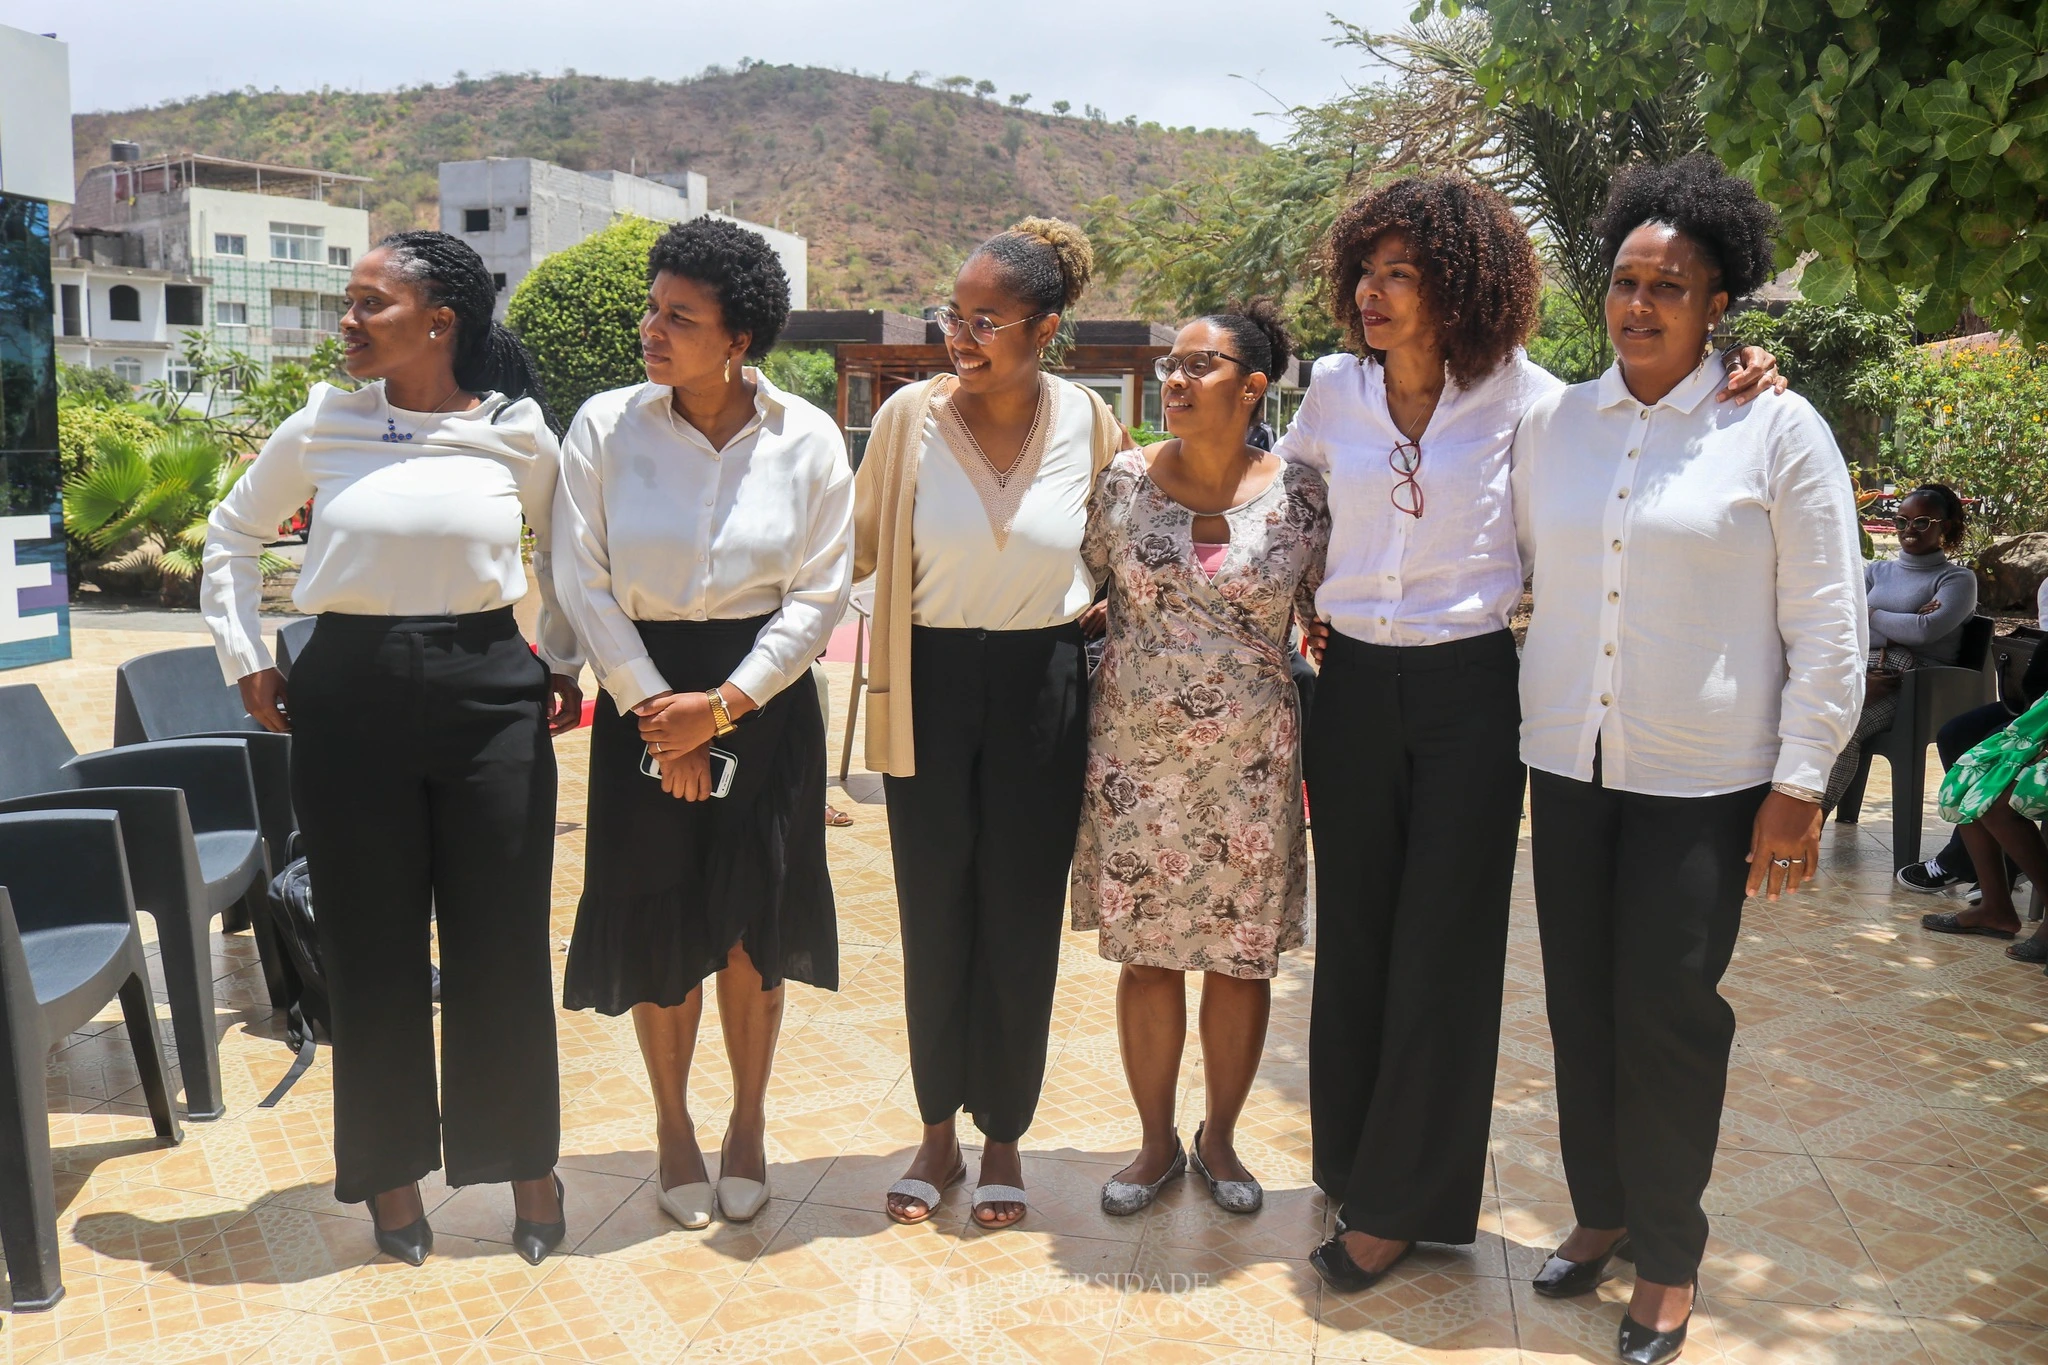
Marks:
<point>1699,588</point>
<point>414,514</point>
<point>654,524</point>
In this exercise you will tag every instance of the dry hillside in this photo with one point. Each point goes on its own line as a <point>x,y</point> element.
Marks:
<point>890,181</point>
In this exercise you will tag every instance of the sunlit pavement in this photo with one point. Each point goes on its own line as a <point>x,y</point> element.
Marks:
<point>1881,1194</point>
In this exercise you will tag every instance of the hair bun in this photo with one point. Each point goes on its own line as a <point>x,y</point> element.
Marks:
<point>1264,313</point>
<point>1071,245</point>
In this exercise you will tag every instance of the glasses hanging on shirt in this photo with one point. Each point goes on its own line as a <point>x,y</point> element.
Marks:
<point>1405,459</point>
<point>982,329</point>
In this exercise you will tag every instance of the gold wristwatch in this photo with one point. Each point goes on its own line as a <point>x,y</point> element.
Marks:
<point>721,719</point>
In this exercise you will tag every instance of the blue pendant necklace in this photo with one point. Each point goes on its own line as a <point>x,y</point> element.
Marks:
<point>393,435</point>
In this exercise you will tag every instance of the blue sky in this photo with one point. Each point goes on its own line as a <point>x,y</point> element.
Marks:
<point>1174,61</point>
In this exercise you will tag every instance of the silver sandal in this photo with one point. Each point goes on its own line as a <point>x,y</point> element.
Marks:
<point>986,1195</point>
<point>1121,1198</point>
<point>1232,1196</point>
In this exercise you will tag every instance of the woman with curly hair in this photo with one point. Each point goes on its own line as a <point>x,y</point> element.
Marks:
<point>706,516</point>
<point>972,499</point>
<point>1411,752</point>
<point>422,768</point>
<point>1693,668</point>
<point>1192,855</point>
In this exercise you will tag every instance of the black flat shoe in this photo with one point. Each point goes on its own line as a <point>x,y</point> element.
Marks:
<point>412,1243</point>
<point>536,1240</point>
<point>1640,1345</point>
<point>1345,1275</point>
<point>1562,1279</point>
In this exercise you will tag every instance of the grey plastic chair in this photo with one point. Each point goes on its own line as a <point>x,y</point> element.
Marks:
<point>68,944</point>
<point>178,694</point>
<point>1929,698</point>
<point>190,833</point>
<point>292,639</point>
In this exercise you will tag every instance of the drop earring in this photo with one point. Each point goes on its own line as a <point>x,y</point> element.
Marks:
<point>728,369</point>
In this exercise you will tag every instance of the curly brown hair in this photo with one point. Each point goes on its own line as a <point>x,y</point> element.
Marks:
<point>1480,276</point>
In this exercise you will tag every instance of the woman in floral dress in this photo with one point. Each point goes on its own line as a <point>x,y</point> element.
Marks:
<point>1192,856</point>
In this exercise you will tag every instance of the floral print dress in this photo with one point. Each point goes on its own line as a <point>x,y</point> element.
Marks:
<point>1191,853</point>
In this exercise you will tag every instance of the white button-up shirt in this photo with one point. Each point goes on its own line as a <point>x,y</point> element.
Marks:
<point>1699,589</point>
<point>1451,573</point>
<point>655,524</point>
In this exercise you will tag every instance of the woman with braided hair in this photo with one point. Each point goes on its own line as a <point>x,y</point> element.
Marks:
<point>422,767</point>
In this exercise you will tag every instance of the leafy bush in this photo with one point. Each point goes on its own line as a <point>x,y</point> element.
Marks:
<point>87,385</point>
<point>1974,416</point>
<point>81,422</point>
<point>1822,349</point>
<point>1562,344</point>
<point>579,313</point>
<point>810,375</point>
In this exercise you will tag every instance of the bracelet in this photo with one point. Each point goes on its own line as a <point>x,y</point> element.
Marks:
<point>1797,792</point>
<point>721,719</point>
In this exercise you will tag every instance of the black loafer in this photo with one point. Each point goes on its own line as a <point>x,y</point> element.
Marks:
<point>1640,1345</point>
<point>1345,1275</point>
<point>412,1243</point>
<point>535,1240</point>
<point>1562,1279</point>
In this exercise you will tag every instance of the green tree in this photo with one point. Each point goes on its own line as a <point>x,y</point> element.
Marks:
<point>983,89</point>
<point>1906,145</point>
<point>1061,107</point>
<point>84,384</point>
<point>810,375</point>
<point>579,314</point>
<point>1825,351</point>
<point>143,503</point>
<point>236,400</point>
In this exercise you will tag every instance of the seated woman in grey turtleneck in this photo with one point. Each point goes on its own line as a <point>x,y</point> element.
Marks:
<point>1919,604</point>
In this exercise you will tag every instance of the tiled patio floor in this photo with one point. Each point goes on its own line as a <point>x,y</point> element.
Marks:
<point>1881,1196</point>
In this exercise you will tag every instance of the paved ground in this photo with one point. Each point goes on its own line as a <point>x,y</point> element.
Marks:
<point>1881,1196</point>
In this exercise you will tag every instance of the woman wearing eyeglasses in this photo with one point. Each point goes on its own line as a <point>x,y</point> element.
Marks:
<point>1411,756</point>
<point>969,509</point>
<point>1192,856</point>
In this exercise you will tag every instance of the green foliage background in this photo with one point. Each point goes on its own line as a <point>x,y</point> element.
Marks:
<point>579,313</point>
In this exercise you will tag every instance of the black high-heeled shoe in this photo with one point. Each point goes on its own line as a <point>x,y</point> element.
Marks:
<point>412,1243</point>
<point>1640,1345</point>
<point>535,1240</point>
<point>1562,1279</point>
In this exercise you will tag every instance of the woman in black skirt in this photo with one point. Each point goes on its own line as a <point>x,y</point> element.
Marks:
<point>422,769</point>
<point>705,517</point>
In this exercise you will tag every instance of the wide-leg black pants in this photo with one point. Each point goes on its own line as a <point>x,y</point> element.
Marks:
<point>425,783</point>
<point>1415,785</point>
<point>983,837</point>
<point>1639,899</point>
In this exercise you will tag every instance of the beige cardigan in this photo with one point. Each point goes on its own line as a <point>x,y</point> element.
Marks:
<point>885,499</point>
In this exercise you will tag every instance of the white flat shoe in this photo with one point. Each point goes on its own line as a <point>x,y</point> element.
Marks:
<point>739,1199</point>
<point>689,1205</point>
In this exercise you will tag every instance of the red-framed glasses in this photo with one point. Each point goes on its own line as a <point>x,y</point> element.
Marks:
<point>1405,459</point>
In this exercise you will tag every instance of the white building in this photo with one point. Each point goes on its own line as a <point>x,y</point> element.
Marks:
<point>256,256</point>
<point>517,211</point>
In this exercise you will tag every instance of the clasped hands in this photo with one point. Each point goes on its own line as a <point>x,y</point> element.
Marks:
<point>678,729</point>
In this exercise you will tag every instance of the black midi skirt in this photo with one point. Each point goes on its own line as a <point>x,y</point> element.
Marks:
<point>669,886</point>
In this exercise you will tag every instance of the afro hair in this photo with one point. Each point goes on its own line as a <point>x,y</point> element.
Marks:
<point>736,265</point>
<point>1480,277</point>
<point>1719,212</point>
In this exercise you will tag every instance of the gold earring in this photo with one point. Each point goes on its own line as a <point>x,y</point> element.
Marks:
<point>728,369</point>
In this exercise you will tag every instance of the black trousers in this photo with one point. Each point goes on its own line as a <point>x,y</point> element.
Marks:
<point>983,836</point>
<point>1952,741</point>
<point>425,784</point>
<point>1415,785</point>
<point>1639,899</point>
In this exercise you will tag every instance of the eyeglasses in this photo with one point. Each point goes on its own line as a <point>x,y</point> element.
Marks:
<point>1405,459</point>
<point>1194,364</point>
<point>1917,523</point>
<point>982,329</point>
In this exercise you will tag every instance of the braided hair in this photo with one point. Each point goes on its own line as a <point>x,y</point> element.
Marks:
<point>488,358</point>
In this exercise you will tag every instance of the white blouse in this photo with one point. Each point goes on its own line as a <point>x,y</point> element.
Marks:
<point>1451,573</point>
<point>961,577</point>
<point>657,525</point>
<point>1699,589</point>
<point>414,514</point>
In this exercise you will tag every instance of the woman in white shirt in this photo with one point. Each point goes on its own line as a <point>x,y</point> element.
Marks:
<point>1693,668</point>
<point>703,520</point>
<point>973,496</point>
<point>422,769</point>
<point>1410,754</point>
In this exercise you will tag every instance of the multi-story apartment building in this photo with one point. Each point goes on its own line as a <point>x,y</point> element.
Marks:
<point>256,256</point>
<point>517,211</point>
<point>35,173</point>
